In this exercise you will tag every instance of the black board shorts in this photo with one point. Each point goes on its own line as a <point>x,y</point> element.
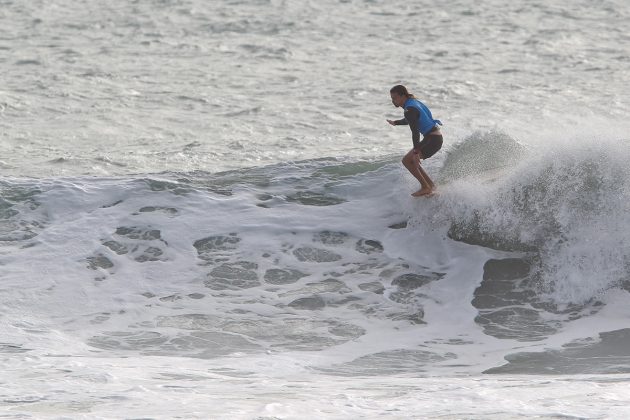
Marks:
<point>430,144</point>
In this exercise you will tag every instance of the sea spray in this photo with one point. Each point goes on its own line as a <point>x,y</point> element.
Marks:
<point>568,207</point>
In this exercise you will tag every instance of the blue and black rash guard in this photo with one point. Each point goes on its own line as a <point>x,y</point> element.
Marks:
<point>419,119</point>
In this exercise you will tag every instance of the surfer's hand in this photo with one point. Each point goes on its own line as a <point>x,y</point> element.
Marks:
<point>391,122</point>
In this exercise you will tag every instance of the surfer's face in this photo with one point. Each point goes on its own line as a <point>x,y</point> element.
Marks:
<point>397,100</point>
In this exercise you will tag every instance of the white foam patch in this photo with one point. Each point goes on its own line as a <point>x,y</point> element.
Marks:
<point>106,387</point>
<point>269,274</point>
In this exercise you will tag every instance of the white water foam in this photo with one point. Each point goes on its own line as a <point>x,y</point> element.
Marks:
<point>271,275</point>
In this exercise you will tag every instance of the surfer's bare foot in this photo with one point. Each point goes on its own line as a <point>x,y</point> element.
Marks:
<point>422,191</point>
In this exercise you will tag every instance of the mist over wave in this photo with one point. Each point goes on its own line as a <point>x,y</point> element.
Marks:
<point>566,203</point>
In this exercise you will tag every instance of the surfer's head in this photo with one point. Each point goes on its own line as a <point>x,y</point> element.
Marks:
<point>399,94</point>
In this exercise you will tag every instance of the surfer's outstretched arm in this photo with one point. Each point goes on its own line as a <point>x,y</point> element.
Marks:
<point>398,122</point>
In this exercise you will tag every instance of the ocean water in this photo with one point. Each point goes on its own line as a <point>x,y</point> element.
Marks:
<point>203,213</point>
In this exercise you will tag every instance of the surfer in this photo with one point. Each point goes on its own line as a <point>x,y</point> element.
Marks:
<point>420,121</point>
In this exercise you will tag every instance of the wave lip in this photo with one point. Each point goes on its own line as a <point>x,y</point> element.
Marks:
<point>569,208</point>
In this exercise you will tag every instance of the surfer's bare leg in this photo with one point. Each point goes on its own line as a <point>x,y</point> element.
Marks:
<point>411,161</point>
<point>426,176</point>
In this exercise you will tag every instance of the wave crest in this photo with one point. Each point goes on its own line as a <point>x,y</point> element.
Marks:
<point>569,207</point>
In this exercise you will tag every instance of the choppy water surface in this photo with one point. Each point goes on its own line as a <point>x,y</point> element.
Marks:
<point>122,87</point>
